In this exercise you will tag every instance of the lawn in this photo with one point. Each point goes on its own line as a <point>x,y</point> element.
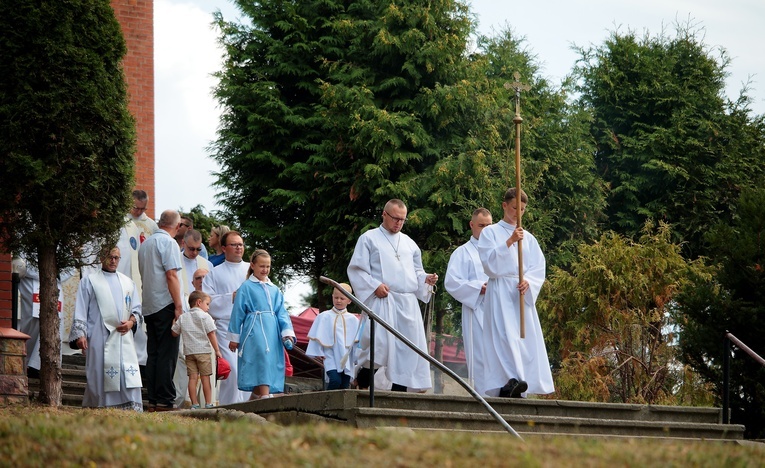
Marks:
<point>35,436</point>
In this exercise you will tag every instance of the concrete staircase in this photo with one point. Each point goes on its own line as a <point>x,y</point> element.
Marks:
<point>526,416</point>
<point>529,417</point>
<point>74,380</point>
<point>73,377</point>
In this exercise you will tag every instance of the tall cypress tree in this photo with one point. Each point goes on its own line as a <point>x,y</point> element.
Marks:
<point>66,145</point>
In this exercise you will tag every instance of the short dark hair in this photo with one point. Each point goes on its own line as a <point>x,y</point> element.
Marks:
<point>195,236</point>
<point>510,194</point>
<point>224,239</point>
<point>140,195</point>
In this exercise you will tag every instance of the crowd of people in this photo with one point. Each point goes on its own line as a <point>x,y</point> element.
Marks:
<point>160,312</point>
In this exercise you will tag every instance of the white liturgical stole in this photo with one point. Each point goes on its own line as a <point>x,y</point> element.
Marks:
<point>119,350</point>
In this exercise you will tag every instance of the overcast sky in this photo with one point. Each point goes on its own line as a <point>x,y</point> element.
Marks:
<point>186,54</point>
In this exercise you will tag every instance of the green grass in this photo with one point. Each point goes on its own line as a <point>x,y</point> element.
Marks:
<point>35,436</point>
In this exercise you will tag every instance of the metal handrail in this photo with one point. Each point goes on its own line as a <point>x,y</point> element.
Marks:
<point>376,318</point>
<point>727,340</point>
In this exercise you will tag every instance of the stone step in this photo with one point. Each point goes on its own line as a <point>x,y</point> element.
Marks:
<point>73,390</point>
<point>378,417</point>
<point>339,401</point>
<point>72,387</point>
<point>530,416</point>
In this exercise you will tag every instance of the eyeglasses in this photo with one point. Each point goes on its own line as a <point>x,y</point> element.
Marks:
<point>194,249</point>
<point>139,209</point>
<point>185,225</point>
<point>235,245</point>
<point>114,257</point>
<point>197,278</point>
<point>398,220</point>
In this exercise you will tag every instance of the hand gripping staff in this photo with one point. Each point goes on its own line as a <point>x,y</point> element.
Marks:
<point>518,87</point>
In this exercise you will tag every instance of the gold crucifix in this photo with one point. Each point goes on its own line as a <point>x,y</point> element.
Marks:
<point>518,87</point>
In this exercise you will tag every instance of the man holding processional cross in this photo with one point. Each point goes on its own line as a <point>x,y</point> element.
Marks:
<point>515,361</point>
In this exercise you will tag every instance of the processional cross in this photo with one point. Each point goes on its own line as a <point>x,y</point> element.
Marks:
<point>518,87</point>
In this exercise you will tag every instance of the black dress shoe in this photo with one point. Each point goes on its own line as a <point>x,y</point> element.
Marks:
<point>513,388</point>
<point>364,378</point>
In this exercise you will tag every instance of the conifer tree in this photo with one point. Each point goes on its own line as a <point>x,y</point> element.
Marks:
<point>669,145</point>
<point>66,145</point>
<point>734,301</point>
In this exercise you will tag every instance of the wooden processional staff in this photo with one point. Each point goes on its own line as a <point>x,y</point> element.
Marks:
<point>518,87</point>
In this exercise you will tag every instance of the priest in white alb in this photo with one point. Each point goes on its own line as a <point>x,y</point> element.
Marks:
<point>137,228</point>
<point>107,311</point>
<point>514,366</point>
<point>466,281</point>
<point>221,284</point>
<point>387,274</point>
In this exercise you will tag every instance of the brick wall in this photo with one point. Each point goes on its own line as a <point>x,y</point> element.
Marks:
<point>137,20</point>
<point>5,291</point>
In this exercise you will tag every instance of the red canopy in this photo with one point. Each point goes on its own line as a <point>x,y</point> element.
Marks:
<point>302,365</point>
<point>453,350</point>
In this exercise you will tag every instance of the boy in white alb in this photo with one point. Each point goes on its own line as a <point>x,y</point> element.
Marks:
<point>331,340</point>
<point>199,340</point>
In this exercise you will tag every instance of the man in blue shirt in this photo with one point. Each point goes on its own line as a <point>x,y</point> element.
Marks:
<point>159,261</point>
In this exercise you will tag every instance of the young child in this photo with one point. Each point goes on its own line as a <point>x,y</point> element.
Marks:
<point>198,330</point>
<point>331,339</point>
<point>260,329</point>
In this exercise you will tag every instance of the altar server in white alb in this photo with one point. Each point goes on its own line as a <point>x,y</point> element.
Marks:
<point>387,274</point>
<point>513,366</point>
<point>107,312</point>
<point>221,284</point>
<point>466,281</point>
<point>331,339</point>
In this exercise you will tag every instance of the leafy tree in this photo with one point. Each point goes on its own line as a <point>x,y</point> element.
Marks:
<point>734,302</point>
<point>326,112</point>
<point>268,90</point>
<point>204,222</point>
<point>608,320</point>
<point>559,173</point>
<point>66,145</point>
<point>669,145</point>
<point>558,169</point>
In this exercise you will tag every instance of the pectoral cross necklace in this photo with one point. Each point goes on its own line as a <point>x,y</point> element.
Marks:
<point>395,249</point>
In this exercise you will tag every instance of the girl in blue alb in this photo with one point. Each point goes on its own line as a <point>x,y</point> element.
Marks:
<point>259,329</point>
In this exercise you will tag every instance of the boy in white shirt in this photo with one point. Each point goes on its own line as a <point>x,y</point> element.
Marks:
<point>331,339</point>
<point>199,339</point>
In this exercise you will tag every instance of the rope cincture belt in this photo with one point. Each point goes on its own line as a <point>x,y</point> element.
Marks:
<point>259,314</point>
